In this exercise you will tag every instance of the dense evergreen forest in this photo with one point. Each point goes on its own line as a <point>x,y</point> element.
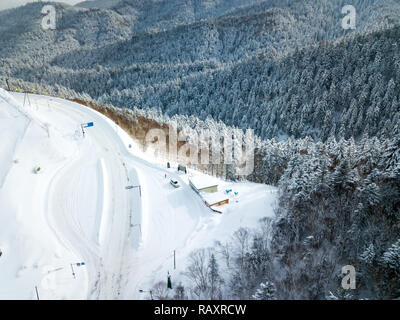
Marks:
<point>324,104</point>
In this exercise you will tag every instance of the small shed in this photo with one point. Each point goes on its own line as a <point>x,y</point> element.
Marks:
<point>203,184</point>
<point>215,199</point>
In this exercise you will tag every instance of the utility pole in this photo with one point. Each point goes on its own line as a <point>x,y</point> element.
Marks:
<point>169,282</point>
<point>73,273</point>
<point>86,125</point>
<point>132,187</point>
<point>37,293</point>
<point>151,293</point>
<point>46,125</point>
<point>138,225</point>
<point>26,97</point>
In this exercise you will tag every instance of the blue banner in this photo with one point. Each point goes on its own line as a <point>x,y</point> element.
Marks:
<point>88,125</point>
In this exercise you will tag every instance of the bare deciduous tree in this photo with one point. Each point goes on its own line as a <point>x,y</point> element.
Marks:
<point>160,291</point>
<point>197,271</point>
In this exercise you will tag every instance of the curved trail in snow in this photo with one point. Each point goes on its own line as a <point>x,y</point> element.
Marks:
<point>122,235</point>
<point>81,211</point>
<point>104,254</point>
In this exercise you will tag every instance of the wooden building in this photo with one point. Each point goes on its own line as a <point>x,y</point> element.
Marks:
<point>203,184</point>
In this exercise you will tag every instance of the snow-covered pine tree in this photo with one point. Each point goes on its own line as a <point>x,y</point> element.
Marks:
<point>215,281</point>
<point>391,258</point>
<point>266,291</point>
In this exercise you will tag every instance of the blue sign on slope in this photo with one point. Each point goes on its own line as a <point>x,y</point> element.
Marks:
<point>88,125</point>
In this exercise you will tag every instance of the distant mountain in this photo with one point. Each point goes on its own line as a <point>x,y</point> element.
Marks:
<point>282,68</point>
<point>159,15</point>
<point>97,3</point>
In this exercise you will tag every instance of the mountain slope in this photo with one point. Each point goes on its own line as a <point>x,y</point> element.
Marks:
<point>246,61</point>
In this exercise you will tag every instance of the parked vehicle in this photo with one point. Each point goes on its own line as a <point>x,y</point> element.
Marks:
<point>175,183</point>
<point>182,168</point>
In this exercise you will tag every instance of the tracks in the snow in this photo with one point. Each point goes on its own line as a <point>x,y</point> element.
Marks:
<point>107,261</point>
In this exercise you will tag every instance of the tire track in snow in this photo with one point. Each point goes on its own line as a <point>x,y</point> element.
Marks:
<point>113,262</point>
<point>60,215</point>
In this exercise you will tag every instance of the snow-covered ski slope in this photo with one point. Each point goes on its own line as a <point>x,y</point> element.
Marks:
<point>77,208</point>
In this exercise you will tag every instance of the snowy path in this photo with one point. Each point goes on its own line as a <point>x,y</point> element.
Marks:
<point>94,183</point>
<point>104,257</point>
<point>79,210</point>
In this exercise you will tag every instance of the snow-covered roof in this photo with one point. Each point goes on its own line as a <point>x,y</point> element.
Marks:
<point>203,181</point>
<point>213,198</point>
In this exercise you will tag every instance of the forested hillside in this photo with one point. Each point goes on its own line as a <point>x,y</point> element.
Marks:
<point>250,64</point>
<point>339,205</point>
<point>324,103</point>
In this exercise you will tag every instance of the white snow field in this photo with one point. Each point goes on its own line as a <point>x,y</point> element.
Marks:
<point>77,208</point>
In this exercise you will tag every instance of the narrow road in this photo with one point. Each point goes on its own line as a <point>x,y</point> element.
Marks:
<point>123,236</point>
<point>106,258</point>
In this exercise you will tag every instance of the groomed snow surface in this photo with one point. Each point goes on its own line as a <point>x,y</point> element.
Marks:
<point>77,207</point>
